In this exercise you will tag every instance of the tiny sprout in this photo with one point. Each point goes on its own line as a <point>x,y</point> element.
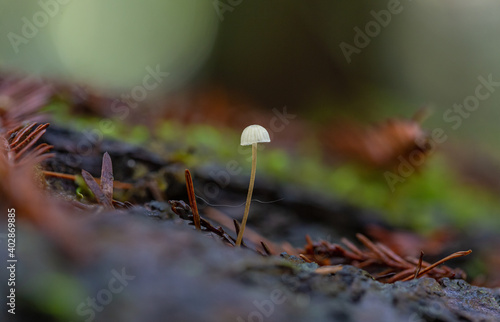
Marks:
<point>251,135</point>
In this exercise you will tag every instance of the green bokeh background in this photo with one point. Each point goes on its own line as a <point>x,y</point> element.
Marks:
<point>287,53</point>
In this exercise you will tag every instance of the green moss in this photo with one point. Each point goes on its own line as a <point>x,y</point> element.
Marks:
<point>169,131</point>
<point>82,190</point>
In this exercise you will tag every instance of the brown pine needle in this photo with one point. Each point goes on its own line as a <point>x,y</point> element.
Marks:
<point>116,184</point>
<point>192,199</point>
<point>266,248</point>
<point>59,175</point>
<point>236,226</point>
<point>405,275</point>
<point>250,235</point>
<point>308,239</point>
<point>419,266</point>
<point>391,254</point>
<point>368,243</point>
<point>377,256</point>
<point>441,261</point>
<point>304,257</point>
<point>326,270</point>
<point>352,247</point>
<point>182,210</point>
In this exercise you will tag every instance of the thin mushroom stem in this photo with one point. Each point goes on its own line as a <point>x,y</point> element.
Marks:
<point>249,195</point>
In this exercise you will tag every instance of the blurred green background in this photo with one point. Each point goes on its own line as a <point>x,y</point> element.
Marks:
<point>276,52</point>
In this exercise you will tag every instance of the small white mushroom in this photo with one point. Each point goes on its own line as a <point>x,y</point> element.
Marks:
<point>251,135</point>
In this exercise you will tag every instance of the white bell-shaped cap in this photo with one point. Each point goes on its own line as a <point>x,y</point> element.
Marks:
<point>254,134</point>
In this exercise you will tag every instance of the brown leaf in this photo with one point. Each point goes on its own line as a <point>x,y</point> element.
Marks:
<point>380,145</point>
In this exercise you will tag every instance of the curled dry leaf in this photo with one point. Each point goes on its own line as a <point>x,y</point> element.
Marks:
<point>379,146</point>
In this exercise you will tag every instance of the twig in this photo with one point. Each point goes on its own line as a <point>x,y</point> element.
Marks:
<point>266,248</point>
<point>304,257</point>
<point>116,184</point>
<point>192,199</point>
<point>419,266</point>
<point>441,261</point>
<point>183,210</point>
<point>250,235</point>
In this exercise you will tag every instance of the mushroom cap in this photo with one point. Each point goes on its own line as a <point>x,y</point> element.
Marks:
<point>254,134</point>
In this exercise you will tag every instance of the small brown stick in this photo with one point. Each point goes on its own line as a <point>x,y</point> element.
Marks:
<point>326,270</point>
<point>236,226</point>
<point>266,248</point>
<point>220,231</point>
<point>192,199</point>
<point>385,275</point>
<point>405,275</point>
<point>368,262</point>
<point>414,261</point>
<point>59,175</point>
<point>378,254</point>
<point>309,240</point>
<point>369,244</point>
<point>184,211</point>
<point>441,261</point>
<point>250,235</point>
<point>392,254</point>
<point>304,257</point>
<point>419,266</point>
<point>116,184</point>
<point>352,247</point>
